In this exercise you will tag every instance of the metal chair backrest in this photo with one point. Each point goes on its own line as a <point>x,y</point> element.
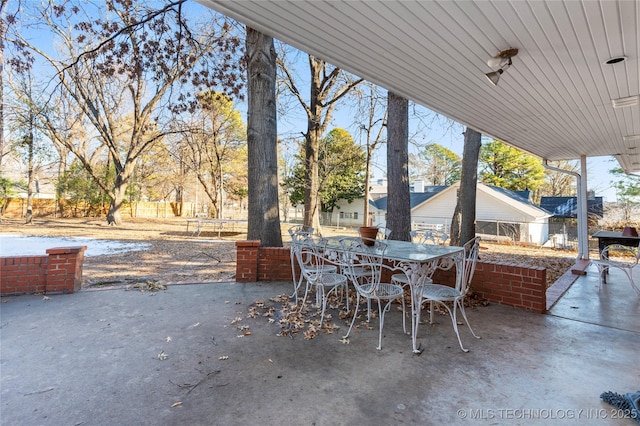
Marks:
<point>471,250</point>
<point>427,238</point>
<point>432,237</point>
<point>363,264</point>
<point>300,229</point>
<point>308,252</point>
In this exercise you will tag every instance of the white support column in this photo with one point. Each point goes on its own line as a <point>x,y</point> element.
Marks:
<point>581,191</point>
<point>583,223</point>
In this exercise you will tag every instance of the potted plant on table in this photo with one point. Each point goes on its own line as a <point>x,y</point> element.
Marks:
<point>368,231</point>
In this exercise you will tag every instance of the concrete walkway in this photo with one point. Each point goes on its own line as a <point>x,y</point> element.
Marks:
<point>97,358</point>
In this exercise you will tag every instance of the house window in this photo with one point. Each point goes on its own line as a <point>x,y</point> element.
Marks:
<point>346,215</point>
<point>508,229</point>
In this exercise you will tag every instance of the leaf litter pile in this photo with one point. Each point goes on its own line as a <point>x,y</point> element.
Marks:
<point>292,320</point>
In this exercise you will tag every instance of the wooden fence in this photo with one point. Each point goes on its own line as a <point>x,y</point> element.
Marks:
<point>17,208</point>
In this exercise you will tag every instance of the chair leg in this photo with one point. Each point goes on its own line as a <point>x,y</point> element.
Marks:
<point>601,273</point>
<point>415,321</point>
<point>304,299</point>
<point>325,300</point>
<point>322,301</point>
<point>404,314</point>
<point>381,312</point>
<point>464,315</point>
<point>629,272</point>
<point>297,281</point>
<point>345,293</point>
<point>452,315</point>
<point>355,314</point>
<point>296,284</point>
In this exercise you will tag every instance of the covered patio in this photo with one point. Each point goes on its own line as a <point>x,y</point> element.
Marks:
<point>191,355</point>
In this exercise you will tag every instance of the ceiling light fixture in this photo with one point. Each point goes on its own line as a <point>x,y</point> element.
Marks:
<point>502,60</point>
<point>626,102</point>
<point>615,60</point>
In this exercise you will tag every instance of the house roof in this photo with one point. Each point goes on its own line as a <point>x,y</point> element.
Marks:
<point>416,198</point>
<point>513,198</point>
<point>555,101</point>
<point>567,207</point>
<point>519,196</point>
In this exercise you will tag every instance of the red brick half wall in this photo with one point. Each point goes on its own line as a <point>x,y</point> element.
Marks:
<point>57,272</point>
<point>520,286</point>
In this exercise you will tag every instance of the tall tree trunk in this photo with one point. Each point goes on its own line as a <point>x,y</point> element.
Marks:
<point>114,215</point>
<point>263,214</point>
<point>3,31</point>
<point>312,147</point>
<point>367,189</point>
<point>312,178</point>
<point>61,194</point>
<point>398,197</point>
<point>30,183</point>
<point>463,223</point>
<point>123,178</point>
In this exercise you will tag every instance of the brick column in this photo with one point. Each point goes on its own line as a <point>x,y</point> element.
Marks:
<point>247,254</point>
<point>64,269</point>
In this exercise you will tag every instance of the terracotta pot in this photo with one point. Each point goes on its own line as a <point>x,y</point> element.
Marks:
<point>629,231</point>
<point>368,232</point>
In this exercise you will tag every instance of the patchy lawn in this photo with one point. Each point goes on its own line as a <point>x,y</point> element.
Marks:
<point>177,256</point>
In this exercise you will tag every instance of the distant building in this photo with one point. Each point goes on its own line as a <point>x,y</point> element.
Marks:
<point>500,214</point>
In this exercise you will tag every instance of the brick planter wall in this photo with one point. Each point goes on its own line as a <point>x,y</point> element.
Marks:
<point>57,272</point>
<point>514,285</point>
<point>507,284</point>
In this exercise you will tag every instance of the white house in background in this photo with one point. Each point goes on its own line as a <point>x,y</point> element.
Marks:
<point>500,213</point>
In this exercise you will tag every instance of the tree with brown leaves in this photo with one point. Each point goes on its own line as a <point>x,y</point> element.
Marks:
<point>124,59</point>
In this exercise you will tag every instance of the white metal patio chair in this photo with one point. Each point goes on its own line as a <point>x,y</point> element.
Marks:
<point>311,256</point>
<point>432,237</point>
<point>622,257</point>
<point>383,233</point>
<point>299,233</point>
<point>349,264</point>
<point>300,229</point>
<point>368,286</point>
<point>441,294</point>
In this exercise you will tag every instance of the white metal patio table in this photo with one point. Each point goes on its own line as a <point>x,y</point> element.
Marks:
<point>418,262</point>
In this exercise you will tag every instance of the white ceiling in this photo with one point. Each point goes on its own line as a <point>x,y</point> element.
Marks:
<point>555,101</point>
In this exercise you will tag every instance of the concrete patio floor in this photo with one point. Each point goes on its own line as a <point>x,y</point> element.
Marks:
<point>93,358</point>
